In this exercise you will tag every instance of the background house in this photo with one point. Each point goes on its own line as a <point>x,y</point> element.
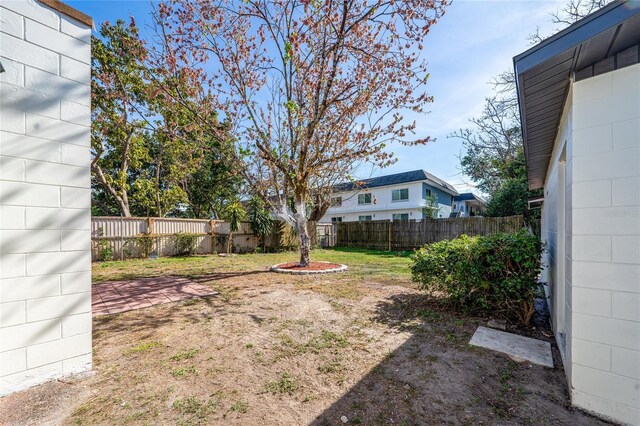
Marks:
<point>579,95</point>
<point>467,204</point>
<point>45,256</point>
<point>401,196</point>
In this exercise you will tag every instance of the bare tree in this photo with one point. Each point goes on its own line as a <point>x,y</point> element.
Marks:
<point>308,88</point>
<point>569,14</point>
<point>494,147</point>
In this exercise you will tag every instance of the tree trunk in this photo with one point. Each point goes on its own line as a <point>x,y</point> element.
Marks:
<point>303,233</point>
<point>305,243</point>
<point>125,208</point>
<point>121,198</point>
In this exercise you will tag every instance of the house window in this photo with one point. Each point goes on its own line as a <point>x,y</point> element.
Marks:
<point>336,219</point>
<point>400,194</point>
<point>455,207</point>
<point>364,199</point>
<point>400,217</point>
<point>336,201</point>
<point>462,207</point>
<point>428,193</point>
<point>364,218</point>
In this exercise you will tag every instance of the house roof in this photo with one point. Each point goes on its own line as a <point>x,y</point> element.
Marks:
<point>467,196</point>
<point>395,179</point>
<point>69,11</point>
<point>601,42</point>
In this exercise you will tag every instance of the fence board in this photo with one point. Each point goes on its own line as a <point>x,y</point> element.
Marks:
<point>124,237</point>
<point>407,235</point>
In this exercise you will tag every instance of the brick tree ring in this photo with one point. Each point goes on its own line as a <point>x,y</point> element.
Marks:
<point>314,268</point>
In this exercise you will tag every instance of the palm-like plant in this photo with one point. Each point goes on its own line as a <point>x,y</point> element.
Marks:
<point>261,220</point>
<point>234,213</point>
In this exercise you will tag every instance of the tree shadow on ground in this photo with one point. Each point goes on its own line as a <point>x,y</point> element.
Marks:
<point>145,322</point>
<point>436,377</point>
<point>217,276</point>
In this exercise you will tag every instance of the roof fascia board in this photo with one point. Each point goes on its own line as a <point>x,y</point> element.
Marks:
<point>606,18</point>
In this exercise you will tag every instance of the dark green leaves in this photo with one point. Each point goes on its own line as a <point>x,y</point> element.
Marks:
<point>493,274</point>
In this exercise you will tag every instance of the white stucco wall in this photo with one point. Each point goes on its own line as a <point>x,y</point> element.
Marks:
<point>602,269</point>
<point>384,207</point>
<point>45,261</point>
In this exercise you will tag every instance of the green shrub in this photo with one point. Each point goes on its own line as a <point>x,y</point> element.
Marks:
<point>494,273</point>
<point>144,244</point>
<point>185,244</point>
<point>105,249</point>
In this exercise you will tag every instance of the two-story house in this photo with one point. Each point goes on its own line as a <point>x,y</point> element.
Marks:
<point>401,196</point>
<point>467,204</point>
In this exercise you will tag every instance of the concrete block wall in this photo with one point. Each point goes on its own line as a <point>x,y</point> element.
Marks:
<point>605,248</point>
<point>45,260</point>
<point>558,253</point>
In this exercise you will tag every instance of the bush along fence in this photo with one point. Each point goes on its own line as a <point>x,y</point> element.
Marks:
<point>495,274</point>
<point>408,235</point>
<point>141,237</point>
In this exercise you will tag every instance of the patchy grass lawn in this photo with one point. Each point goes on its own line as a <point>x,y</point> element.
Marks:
<point>362,264</point>
<point>277,349</point>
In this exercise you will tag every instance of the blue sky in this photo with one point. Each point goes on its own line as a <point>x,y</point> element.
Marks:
<point>472,43</point>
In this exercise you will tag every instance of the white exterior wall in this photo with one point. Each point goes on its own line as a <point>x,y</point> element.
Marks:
<point>383,208</point>
<point>602,300</point>
<point>466,207</point>
<point>554,209</point>
<point>45,206</point>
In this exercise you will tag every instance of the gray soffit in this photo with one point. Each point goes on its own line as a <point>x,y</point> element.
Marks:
<point>601,42</point>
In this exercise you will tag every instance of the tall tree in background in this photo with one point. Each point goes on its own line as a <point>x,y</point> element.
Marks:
<point>147,150</point>
<point>309,88</point>
<point>118,94</point>
<point>213,183</point>
<point>494,157</point>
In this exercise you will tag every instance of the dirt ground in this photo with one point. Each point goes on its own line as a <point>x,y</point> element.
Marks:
<point>273,349</point>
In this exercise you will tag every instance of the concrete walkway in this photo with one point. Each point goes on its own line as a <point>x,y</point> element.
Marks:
<point>120,296</point>
<point>516,346</point>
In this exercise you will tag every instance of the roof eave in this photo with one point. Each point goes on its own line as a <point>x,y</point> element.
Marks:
<point>69,11</point>
<point>573,37</point>
<point>589,26</point>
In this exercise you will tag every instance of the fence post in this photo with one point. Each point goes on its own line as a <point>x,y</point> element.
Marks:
<point>121,237</point>
<point>389,233</point>
<point>150,232</point>
<point>334,237</point>
<point>212,235</point>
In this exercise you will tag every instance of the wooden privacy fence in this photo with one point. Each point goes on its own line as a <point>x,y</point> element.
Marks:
<point>135,237</point>
<point>407,235</point>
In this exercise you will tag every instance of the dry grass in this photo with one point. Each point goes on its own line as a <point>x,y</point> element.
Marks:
<point>275,349</point>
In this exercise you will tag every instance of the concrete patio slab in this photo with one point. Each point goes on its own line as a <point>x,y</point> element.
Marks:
<point>121,296</point>
<point>525,348</point>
